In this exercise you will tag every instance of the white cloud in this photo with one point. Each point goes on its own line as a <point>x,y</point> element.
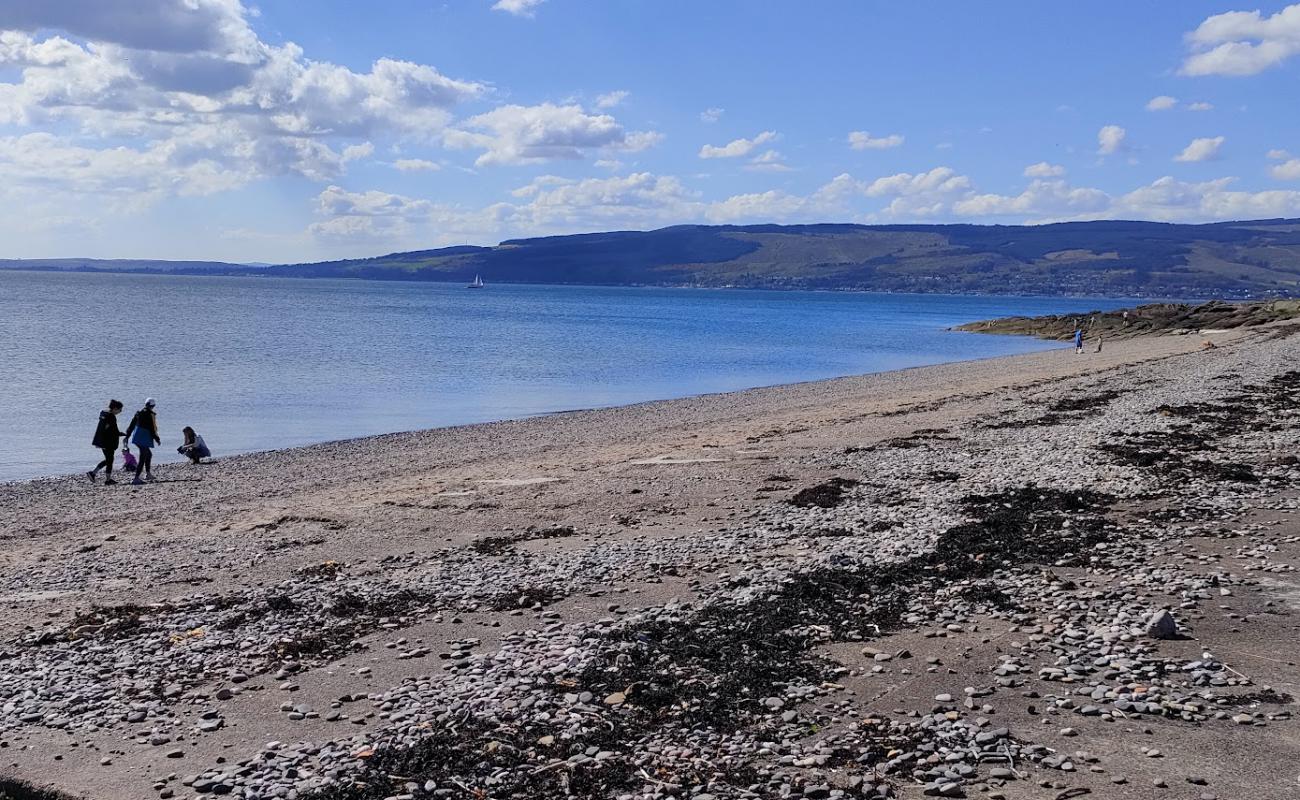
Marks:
<point>203,100</point>
<point>1170,200</point>
<point>862,140</point>
<point>1242,43</point>
<point>1110,139</point>
<point>415,165</point>
<point>44,164</point>
<point>940,179</point>
<point>757,207</point>
<point>612,164</point>
<point>768,161</point>
<point>1044,170</point>
<point>1162,103</point>
<point>551,204</point>
<point>533,134</point>
<point>1286,171</point>
<point>636,141</point>
<point>711,114</point>
<point>737,147</point>
<point>1278,155</point>
<point>1202,149</point>
<point>1200,106</point>
<point>611,99</point>
<point>357,152</point>
<point>519,8</point>
<point>1041,198</point>
<point>918,195</point>
<point>638,199</point>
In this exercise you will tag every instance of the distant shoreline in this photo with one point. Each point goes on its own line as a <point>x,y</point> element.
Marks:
<point>702,287</point>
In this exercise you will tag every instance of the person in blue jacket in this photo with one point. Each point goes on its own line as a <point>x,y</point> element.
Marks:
<point>143,433</point>
<point>1078,340</point>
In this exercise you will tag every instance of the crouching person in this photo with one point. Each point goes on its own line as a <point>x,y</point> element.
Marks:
<point>194,447</point>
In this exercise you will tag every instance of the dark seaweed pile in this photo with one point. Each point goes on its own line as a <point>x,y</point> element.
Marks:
<point>823,495</point>
<point>710,668</point>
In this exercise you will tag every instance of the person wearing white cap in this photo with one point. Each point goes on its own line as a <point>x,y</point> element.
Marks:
<point>143,433</point>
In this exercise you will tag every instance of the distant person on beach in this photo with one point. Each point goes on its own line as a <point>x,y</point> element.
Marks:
<point>1078,340</point>
<point>1099,343</point>
<point>107,438</point>
<point>143,433</point>
<point>194,447</point>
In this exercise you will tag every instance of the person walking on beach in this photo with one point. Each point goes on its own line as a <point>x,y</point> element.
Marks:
<point>1078,341</point>
<point>107,438</point>
<point>143,433</point>
<point>194,447</point>
<point>1099,343</point>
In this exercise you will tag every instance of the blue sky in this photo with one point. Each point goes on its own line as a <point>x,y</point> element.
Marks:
<point>284,131</point>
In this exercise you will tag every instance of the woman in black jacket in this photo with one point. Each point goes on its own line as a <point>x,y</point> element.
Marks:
<point>107,437</point>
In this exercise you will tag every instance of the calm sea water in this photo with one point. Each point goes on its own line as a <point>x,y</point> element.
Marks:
<point>258,364</point>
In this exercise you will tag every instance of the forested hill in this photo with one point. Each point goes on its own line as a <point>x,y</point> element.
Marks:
<point>1131,258</point>
<point>1236,259</point>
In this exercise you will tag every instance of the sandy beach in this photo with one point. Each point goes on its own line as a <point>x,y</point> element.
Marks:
<point>939,581</point>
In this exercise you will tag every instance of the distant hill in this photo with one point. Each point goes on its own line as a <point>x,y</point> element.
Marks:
<point>1231,259</point>
<point>129,265</point>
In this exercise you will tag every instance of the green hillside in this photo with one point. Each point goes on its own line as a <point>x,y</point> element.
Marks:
<point>1259,258</point>
<point>1135,258</point>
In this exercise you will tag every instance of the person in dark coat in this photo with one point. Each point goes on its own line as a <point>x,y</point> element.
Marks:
<point>107,437</point>
<point>143,433</point>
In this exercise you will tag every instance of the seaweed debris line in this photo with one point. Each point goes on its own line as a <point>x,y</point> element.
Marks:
<point>1082,587</point>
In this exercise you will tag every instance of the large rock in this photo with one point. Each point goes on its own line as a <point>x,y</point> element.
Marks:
<point>1161,625</point>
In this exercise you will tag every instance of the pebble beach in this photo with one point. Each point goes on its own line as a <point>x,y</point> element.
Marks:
<point>1039,576</point>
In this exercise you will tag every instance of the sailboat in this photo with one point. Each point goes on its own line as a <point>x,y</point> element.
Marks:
<point>477,284</point>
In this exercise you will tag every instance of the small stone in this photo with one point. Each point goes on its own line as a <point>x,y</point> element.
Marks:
<point>1161,625</point>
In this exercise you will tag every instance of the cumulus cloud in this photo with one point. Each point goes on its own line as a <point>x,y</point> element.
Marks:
<point>1200,106</point>
<point>1288,170</point>
<point>551,204</point>
<point>1202,149</point>
<point>920,195</point>
<point>178,27</point>
<point>515,134</point>
<point>768,161</point>
<point>356,152</point>
<point>367,216</point>
<point>1044,170</point>
<point>1110,139</point>
<point>415,165</point>
<point>1168,199</point>
<point>46,163</point>
<point>862,140</point>
<point>1162,103</point>
<point>519,8</point>
<point>1239,43</point>
<point>1041,198</point>
<point>711,115</point>
<point>636,141</point>
<point>201,97</point>
<point>737,148</point>
<point>611,99</point>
